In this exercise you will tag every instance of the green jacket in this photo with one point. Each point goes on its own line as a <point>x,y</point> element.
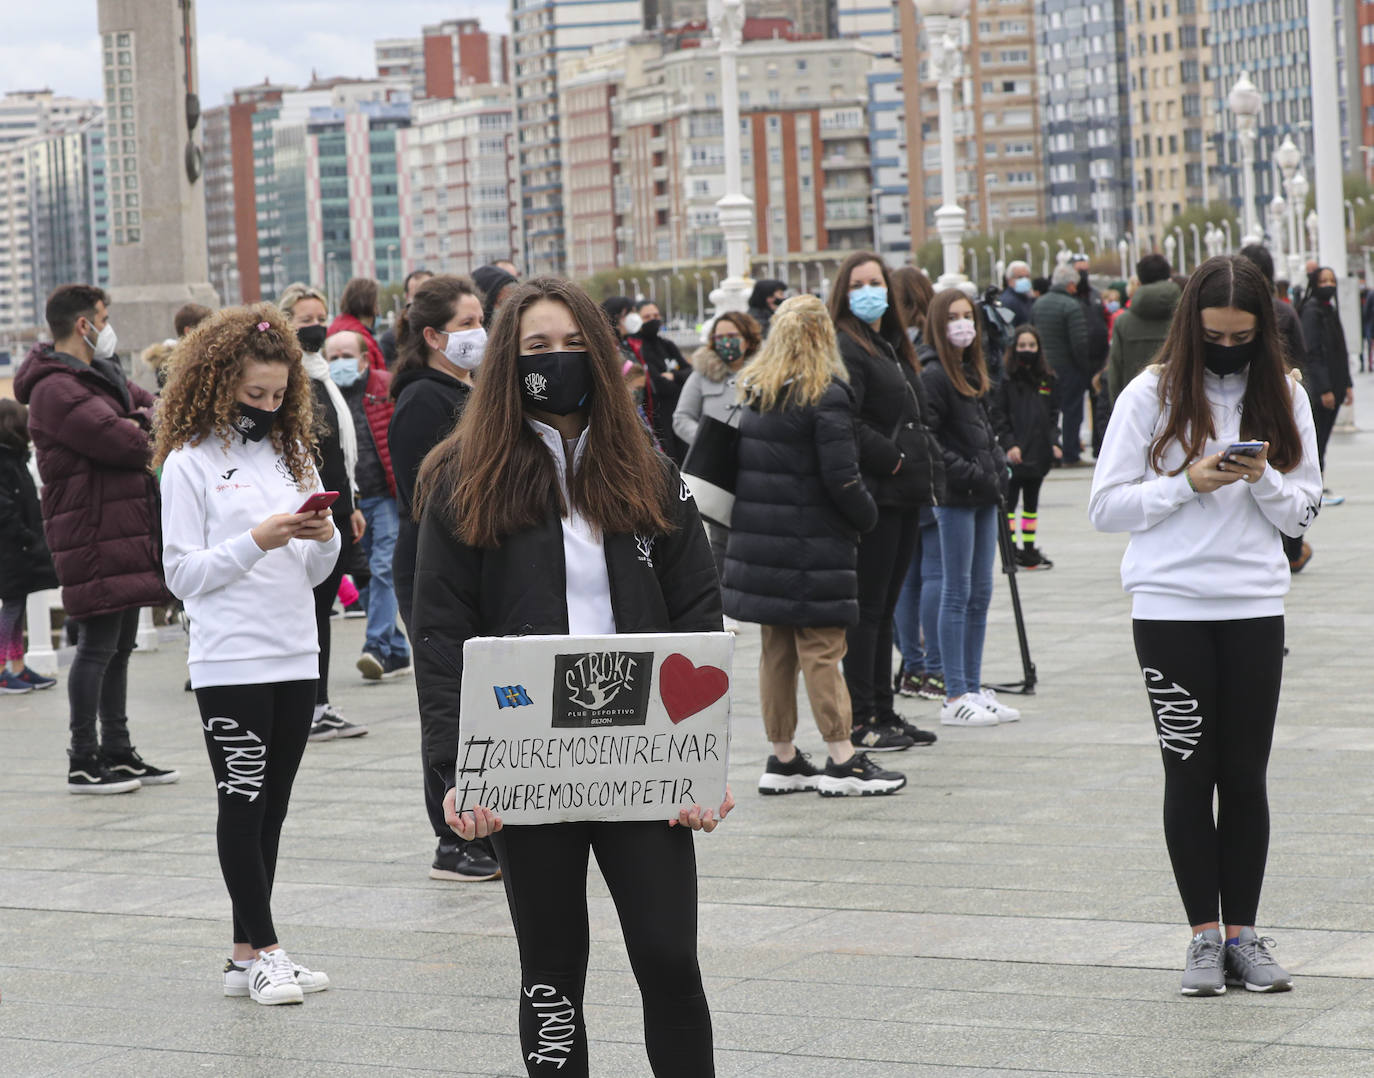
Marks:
<point>1063,330</point>
<point>1139,333</point>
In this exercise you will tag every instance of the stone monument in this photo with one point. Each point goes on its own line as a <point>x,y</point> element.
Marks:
<point>153,167</point>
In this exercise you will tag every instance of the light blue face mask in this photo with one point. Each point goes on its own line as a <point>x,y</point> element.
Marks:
<point>1021,285</point>
<point>344,372</point>
<point>869,302</point>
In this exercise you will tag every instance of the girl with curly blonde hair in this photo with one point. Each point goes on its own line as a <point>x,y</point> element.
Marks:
<point>235,445</point>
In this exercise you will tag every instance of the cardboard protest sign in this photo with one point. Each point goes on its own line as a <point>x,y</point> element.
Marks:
<point>627,727</point>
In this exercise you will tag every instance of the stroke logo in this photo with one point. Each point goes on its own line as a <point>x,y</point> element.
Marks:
<point>601,688</point>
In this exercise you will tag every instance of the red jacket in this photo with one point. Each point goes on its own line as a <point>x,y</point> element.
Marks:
<point>100,502</point>
<point>378,407</point>
<point>345,323</point>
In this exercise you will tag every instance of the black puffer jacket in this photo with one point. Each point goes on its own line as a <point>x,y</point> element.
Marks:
<point>975,467</point>
<point>25,564</point>
<point>1024,415</point>
<point>1325,368</point>
<point>892,424</point>
<point>800,506</point>
<point>659,584</point>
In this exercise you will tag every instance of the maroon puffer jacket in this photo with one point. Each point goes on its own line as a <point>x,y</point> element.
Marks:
<point>100,507</point>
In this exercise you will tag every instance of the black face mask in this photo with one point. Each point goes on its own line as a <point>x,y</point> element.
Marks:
<point>651,327</point>
<point>557,382</point>
<point>254,424</point>
<point>312,337</point>
<point>1325,292</point>
<point>1222,360</point>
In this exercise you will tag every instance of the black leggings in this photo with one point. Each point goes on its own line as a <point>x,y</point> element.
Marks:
<point>884,554</point>
<point>1214,691</point>
<point>326,591</point>
<point>1324,421</point>
<point>255,735</point>
<point>650,869</point>
<point>99,682</point>
<point>1026,491</point>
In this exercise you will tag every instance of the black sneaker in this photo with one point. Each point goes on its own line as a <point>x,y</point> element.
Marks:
<point>89,775</point>
<point>908,684</point>
<point>466,862</point>
<point>354,610</point>
<point>788,778</point>
<point>396,666</point>
<point>1032,558</point>
<point>899,723</point>
<point>370,666</point>
<point>329,724</point>
<point>858,777</point>
<point>932,687</point>
<point>875,737</point>
<point>130,765</point>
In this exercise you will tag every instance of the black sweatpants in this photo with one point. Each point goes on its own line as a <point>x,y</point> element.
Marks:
<point>255,735</point>
<point>884,555</point>
<point>326,591</point>
<point>650,869</point>
<point>1324,421</point>
<point>98,682</point>
<point>1214,690</point>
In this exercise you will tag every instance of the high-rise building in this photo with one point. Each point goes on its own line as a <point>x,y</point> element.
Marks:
<point>1364,65</point>
<point>402,59</point>
<point>1085,111</point>
<point>542,35</point>
<point>1172,112</point>
<point>458,182</point>
<point>221,253</point>
<point>26,113</point>
<point>54,218</point>
<point>997,138</point>
<point>809,18</point>
<point>457,52</point>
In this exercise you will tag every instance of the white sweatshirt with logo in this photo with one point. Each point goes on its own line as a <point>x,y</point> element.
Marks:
<point>252,611</point>
<point>1201,557</point>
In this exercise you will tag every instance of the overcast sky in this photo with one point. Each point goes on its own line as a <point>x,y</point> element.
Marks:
<point>53,43</point>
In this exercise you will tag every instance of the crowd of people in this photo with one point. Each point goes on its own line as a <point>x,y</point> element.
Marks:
<point>889,440</point>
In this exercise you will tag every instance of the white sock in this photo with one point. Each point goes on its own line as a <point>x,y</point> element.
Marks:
<point>242,964</point>
<point>319,710</point>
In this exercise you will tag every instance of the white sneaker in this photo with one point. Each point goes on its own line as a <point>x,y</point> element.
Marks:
<point>1004,713</point>
<point>966,710</point>
<point>272,980</point>
<point>236,978</point>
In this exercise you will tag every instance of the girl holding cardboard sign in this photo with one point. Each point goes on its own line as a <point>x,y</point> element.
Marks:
<point>547,511</point>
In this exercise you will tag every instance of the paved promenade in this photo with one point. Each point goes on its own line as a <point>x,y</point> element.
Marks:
<point>1010,912</point>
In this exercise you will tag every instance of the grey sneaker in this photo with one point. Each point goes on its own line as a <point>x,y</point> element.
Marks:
<point>1204,971</point>
<point>1249,963</point>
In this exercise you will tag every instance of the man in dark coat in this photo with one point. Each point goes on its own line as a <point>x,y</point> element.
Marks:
<point>666,367</point>
<point>89,426</point>
<point>764,300</point>
<point>1064,336</point>
<point>1140,329</point>
<point>1017,295</point>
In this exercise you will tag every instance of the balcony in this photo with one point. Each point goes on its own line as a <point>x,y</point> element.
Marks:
<point>846,161</point>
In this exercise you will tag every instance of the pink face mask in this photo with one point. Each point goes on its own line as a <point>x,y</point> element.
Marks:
<point>961,332</point>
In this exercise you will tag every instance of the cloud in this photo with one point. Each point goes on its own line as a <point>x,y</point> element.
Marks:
<point>70,67</point>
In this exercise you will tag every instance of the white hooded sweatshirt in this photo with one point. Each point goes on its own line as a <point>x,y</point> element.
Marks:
<point>1201,557</point>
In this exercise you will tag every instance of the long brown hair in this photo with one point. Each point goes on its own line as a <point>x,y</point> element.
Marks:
<point>206,368</point>
<point>431,307</point>
<point>1267,409</point>
<point>14,425</point>
<point>892,326</point>
<point>914,292</point>
<point>493,477</point>
<point>955,360</point>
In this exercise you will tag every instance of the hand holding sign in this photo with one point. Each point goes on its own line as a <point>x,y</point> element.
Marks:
<point>480,822</point>
<point>699,819</point>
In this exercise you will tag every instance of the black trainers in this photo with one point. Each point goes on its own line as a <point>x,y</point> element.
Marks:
<point>858,777</point>
<point>370,666</point>
<point>466,862</point>
<point>932,687</point>
<point>899,723</point>
<point>875,737</point>
<point>354,610</point>
<point>89,775</point>
<point>908,684</point>
<point>789,778</point>
<point>130,765</point>
<point>1032,558</point>
<point>329,724</point>
<point>396,666</point>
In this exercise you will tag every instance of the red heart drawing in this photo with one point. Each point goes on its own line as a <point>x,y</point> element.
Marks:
<point>686,689</point>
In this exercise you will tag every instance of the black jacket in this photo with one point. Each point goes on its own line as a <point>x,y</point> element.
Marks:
<point>975,467</point>
<point>893,424</point>
<point>800,506</point>
<point>25,564</point>
<point>1290,329</point>
<point>428,404</point>
<point>1024,415</point>
<point>661,358</point>
<point>519,589</point>
<point>1326,368</point>
<point>329,456</point>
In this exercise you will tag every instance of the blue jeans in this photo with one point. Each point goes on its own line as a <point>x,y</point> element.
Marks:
<point>968,544</point>
<point>932,588</point>
<point>906,619</point>
<point>384,638</point>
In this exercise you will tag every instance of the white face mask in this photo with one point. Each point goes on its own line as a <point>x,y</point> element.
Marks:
<point>633,323</point>
<point>105,343</point>
<point>464,348</point>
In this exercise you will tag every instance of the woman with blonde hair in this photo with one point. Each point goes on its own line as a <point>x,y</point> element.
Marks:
<point>235,442</point>
<point>791,560</point>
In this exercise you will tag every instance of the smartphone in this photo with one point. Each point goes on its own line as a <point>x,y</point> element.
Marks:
<point>1243,449</point>
<point>321,500</point>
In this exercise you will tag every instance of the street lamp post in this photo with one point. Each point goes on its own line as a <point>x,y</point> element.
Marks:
<point>1330,248</point>
<point>701,300</point>
<point>1197,247</point>
<point>973,265</point>
<point>1314,237</point>
<point>943,20</point>
<point>1245,102</point>
<point>1288,158</point>
<point>1170,244</point>
<point>1026,247</point>
<point>1182,250</point>
<point>1226,231</point>
<point>1278,217</point>
<point>735,208</point>
<point>1297,202</point>
<point>1124,250</point>
<point>1045,261</point>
